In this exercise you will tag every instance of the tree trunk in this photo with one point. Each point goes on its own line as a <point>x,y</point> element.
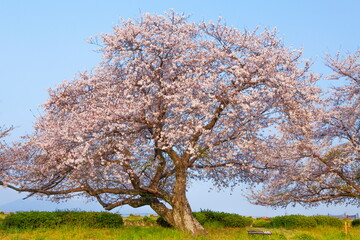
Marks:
<point>180,216</point>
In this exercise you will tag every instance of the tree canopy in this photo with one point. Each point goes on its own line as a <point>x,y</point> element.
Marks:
<point>327,170</point>
<point>171,101</point>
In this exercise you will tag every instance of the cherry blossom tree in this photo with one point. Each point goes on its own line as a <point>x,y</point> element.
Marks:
<point>328,168</point>
<point>3,133</point>
<point>172,101</point>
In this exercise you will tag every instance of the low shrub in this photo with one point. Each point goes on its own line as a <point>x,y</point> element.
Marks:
<point>25,220</point>
<point>215,219</point>
<point>235,220</point>
<point>105,219</point>
<point>328,221</point>
<point>262,223</point>
<point>148,219</point>
<point>32,220</point>
<point>293,221</point>
<point>222,219</point>
<point>355,223</point>
<point>201,217</point>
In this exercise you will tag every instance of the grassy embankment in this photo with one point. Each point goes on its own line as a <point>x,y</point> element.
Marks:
<point>145,229</point>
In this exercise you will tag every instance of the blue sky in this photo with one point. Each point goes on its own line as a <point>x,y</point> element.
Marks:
<point>44,42</point>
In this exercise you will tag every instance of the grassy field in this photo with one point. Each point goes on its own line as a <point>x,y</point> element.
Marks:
<point>156,232</point>
<point>136,228</point>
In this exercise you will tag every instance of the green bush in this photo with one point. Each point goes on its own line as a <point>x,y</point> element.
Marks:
<point>108,220</point>
<point>262,223</point>
<point>293,221</point>
<point>222,219</point>
<point>215,219</point>
<point>32,220</point>
<point>355,223</point>
<point>201,217</point>
<point>24,220</point>
<point>148,219</point>
<point>235,220</point>
<point>328,221</point>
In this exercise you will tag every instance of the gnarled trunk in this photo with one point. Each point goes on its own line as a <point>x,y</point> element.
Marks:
<point>180,216</point>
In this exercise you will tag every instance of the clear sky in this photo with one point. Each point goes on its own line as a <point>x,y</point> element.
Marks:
<point>44,42</point>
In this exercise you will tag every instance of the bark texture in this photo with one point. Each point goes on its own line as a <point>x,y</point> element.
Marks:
<point>180,216</point>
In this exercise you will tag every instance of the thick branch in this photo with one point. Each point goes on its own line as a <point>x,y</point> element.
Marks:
<point>75,190</point>
<point>159,170</point>
<point>324,198</point>
<point>342,176</point>
<point>135,203</point>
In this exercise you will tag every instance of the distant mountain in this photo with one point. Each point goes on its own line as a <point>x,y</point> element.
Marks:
<point>74,204</point>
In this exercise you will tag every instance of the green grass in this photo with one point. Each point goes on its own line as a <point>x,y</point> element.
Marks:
<point>156,232</point>
<point>140,228</point>
<point>140,221</point>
